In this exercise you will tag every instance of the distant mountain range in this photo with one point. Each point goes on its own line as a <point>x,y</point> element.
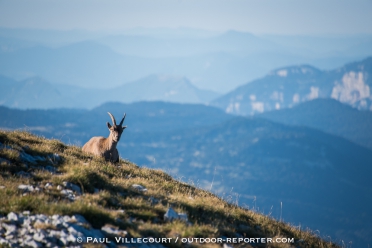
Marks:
<point>282,88</point>
<point>214,61</point>
<point>321,181</point>
<point>40,94</point>
<point>288,86</point>
<point>330,116</point>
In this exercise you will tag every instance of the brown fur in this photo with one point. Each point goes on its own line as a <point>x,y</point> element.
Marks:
<point>106,147</point>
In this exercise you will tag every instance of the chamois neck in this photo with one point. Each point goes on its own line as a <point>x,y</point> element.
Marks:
<point>110,143</point>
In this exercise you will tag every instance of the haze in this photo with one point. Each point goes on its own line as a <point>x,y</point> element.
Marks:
<point>259,17</point>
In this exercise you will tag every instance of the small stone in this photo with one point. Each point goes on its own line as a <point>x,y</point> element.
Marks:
<point>32,243</point>
<point>66,218</point>
<point>48,185</point>
<point>51,244</point>
<point>114,231</point>
<point>66,192</point>
<point>57,223</point>
<point>59,187</point>
<point>71,197</point>
<point>73,187</point>
<point>139,187</point>
<point>40,236</point>
<point>27,222</point>
<point>182,216</point>
<point>2,187</point>
<point>26,212</point>
<point>3,241</point>
<point>79,218</point>
<point>170,214</point>
<point>56,216</point>
<point>41,217</point>
<point>71,238</point>
<point>10,237</point>
<point>10,229</point>
<point>13,217</point>
<point>173,215</point>
<point>23,232</point>
<point>109,229</point>
<point>63,241</point>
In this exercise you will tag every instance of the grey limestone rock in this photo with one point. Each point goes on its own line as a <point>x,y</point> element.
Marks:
<point>48,185</point>
<point>40,236</point>
<point>173,215</point>
<point>13,217</point>
<point>170,214</point>
<point>72,187</point>
<point>26,188</point>
<point>139,188</point>
<point>10,228</point>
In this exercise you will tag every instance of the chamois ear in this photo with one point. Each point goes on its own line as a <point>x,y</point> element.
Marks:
<point>108,125</point>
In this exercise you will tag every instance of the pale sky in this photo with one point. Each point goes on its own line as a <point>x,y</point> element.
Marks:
<point>255,16</point>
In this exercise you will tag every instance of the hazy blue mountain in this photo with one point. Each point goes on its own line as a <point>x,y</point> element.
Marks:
<point>234,42</point>
<point>67,64</point>
<point>50,38</point>
<point>322,181</point>
<point>162,88</point>
<point>92,65</point>
<point>38,93</point>
<point>330,116</point>
<point>288,86</point>
<point>214,61</point>
<point>31,93</point>
<point>329,45</point>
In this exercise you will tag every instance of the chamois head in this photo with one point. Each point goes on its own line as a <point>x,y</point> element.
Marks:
<point>116,130</point>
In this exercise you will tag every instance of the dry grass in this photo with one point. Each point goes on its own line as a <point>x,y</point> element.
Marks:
<point>143,211</point>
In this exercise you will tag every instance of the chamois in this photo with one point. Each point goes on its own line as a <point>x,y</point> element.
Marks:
<point>106,147</point>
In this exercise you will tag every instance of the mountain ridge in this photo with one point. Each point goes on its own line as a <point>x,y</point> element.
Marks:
<point>328,115</point>
<point>38,93</point>
<point>211,60</point>
<point>287,86</point>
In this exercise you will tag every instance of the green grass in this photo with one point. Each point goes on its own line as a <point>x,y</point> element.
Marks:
<point>142,217</point>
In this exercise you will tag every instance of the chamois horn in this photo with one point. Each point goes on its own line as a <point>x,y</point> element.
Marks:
<point>122,121</point>
<point>112,118</point>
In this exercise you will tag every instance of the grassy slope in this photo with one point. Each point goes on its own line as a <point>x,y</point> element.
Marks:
<point>210,215</point>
